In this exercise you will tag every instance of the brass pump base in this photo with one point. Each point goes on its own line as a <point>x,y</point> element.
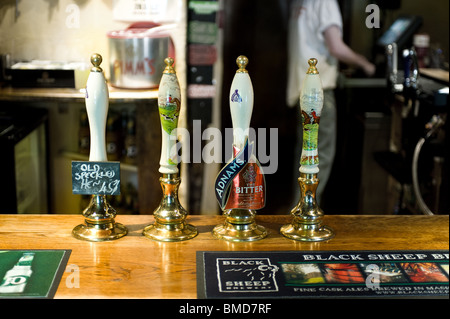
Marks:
<point>99,222</point>
<point>303,232</point>
<point>170,217</point>
<point>307,215</point>
<point>102,232</point>
<point>170,232</point>
<point>239,226</point>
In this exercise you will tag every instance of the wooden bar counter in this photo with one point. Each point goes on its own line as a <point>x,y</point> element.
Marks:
<point>137,267</point>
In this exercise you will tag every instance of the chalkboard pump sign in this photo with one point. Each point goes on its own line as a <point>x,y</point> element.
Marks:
<point>97,177</point>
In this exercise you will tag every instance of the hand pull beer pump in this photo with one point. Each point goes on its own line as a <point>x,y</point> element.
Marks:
<point>307,215</point>
<point>170,216</point>
<point>240,185</point>
<point>99,215</point>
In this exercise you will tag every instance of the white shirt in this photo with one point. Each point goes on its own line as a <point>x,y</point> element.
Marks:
<point>309,19</point>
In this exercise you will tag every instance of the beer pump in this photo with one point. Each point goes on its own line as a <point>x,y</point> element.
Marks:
<point>99,215</point>
<point>170,216</point>
<point>307,215</point>
<point>240,185</point>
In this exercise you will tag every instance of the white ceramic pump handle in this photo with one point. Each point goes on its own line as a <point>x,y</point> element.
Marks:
<point>241,102</point>
<point>311,104</point>
<point>97,100</point>
<point>169,106</point>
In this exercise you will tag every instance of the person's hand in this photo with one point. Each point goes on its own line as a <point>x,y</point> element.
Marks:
<point>369,69</point>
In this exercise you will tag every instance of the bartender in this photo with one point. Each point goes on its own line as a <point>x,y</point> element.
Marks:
<point>315,30</point>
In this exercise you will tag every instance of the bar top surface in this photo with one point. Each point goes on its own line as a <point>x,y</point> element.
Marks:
<point>137,267</point>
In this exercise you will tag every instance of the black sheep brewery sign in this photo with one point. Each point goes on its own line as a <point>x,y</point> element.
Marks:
<point>306,274</point>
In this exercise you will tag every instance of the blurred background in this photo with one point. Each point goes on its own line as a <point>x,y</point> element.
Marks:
<point>380,165</point>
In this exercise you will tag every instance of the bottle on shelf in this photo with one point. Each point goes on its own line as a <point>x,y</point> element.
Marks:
<point>83,134</point>
<point>131,150</point>
<point>113,138</point>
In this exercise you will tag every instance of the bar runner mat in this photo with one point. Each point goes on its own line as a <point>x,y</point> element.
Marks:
<point>331,274</point>
<point>31,274</point>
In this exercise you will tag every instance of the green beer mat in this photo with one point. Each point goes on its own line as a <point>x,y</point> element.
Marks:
<point>31,273</point>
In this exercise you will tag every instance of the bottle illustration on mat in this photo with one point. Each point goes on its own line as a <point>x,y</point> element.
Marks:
<point>16,279</point>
